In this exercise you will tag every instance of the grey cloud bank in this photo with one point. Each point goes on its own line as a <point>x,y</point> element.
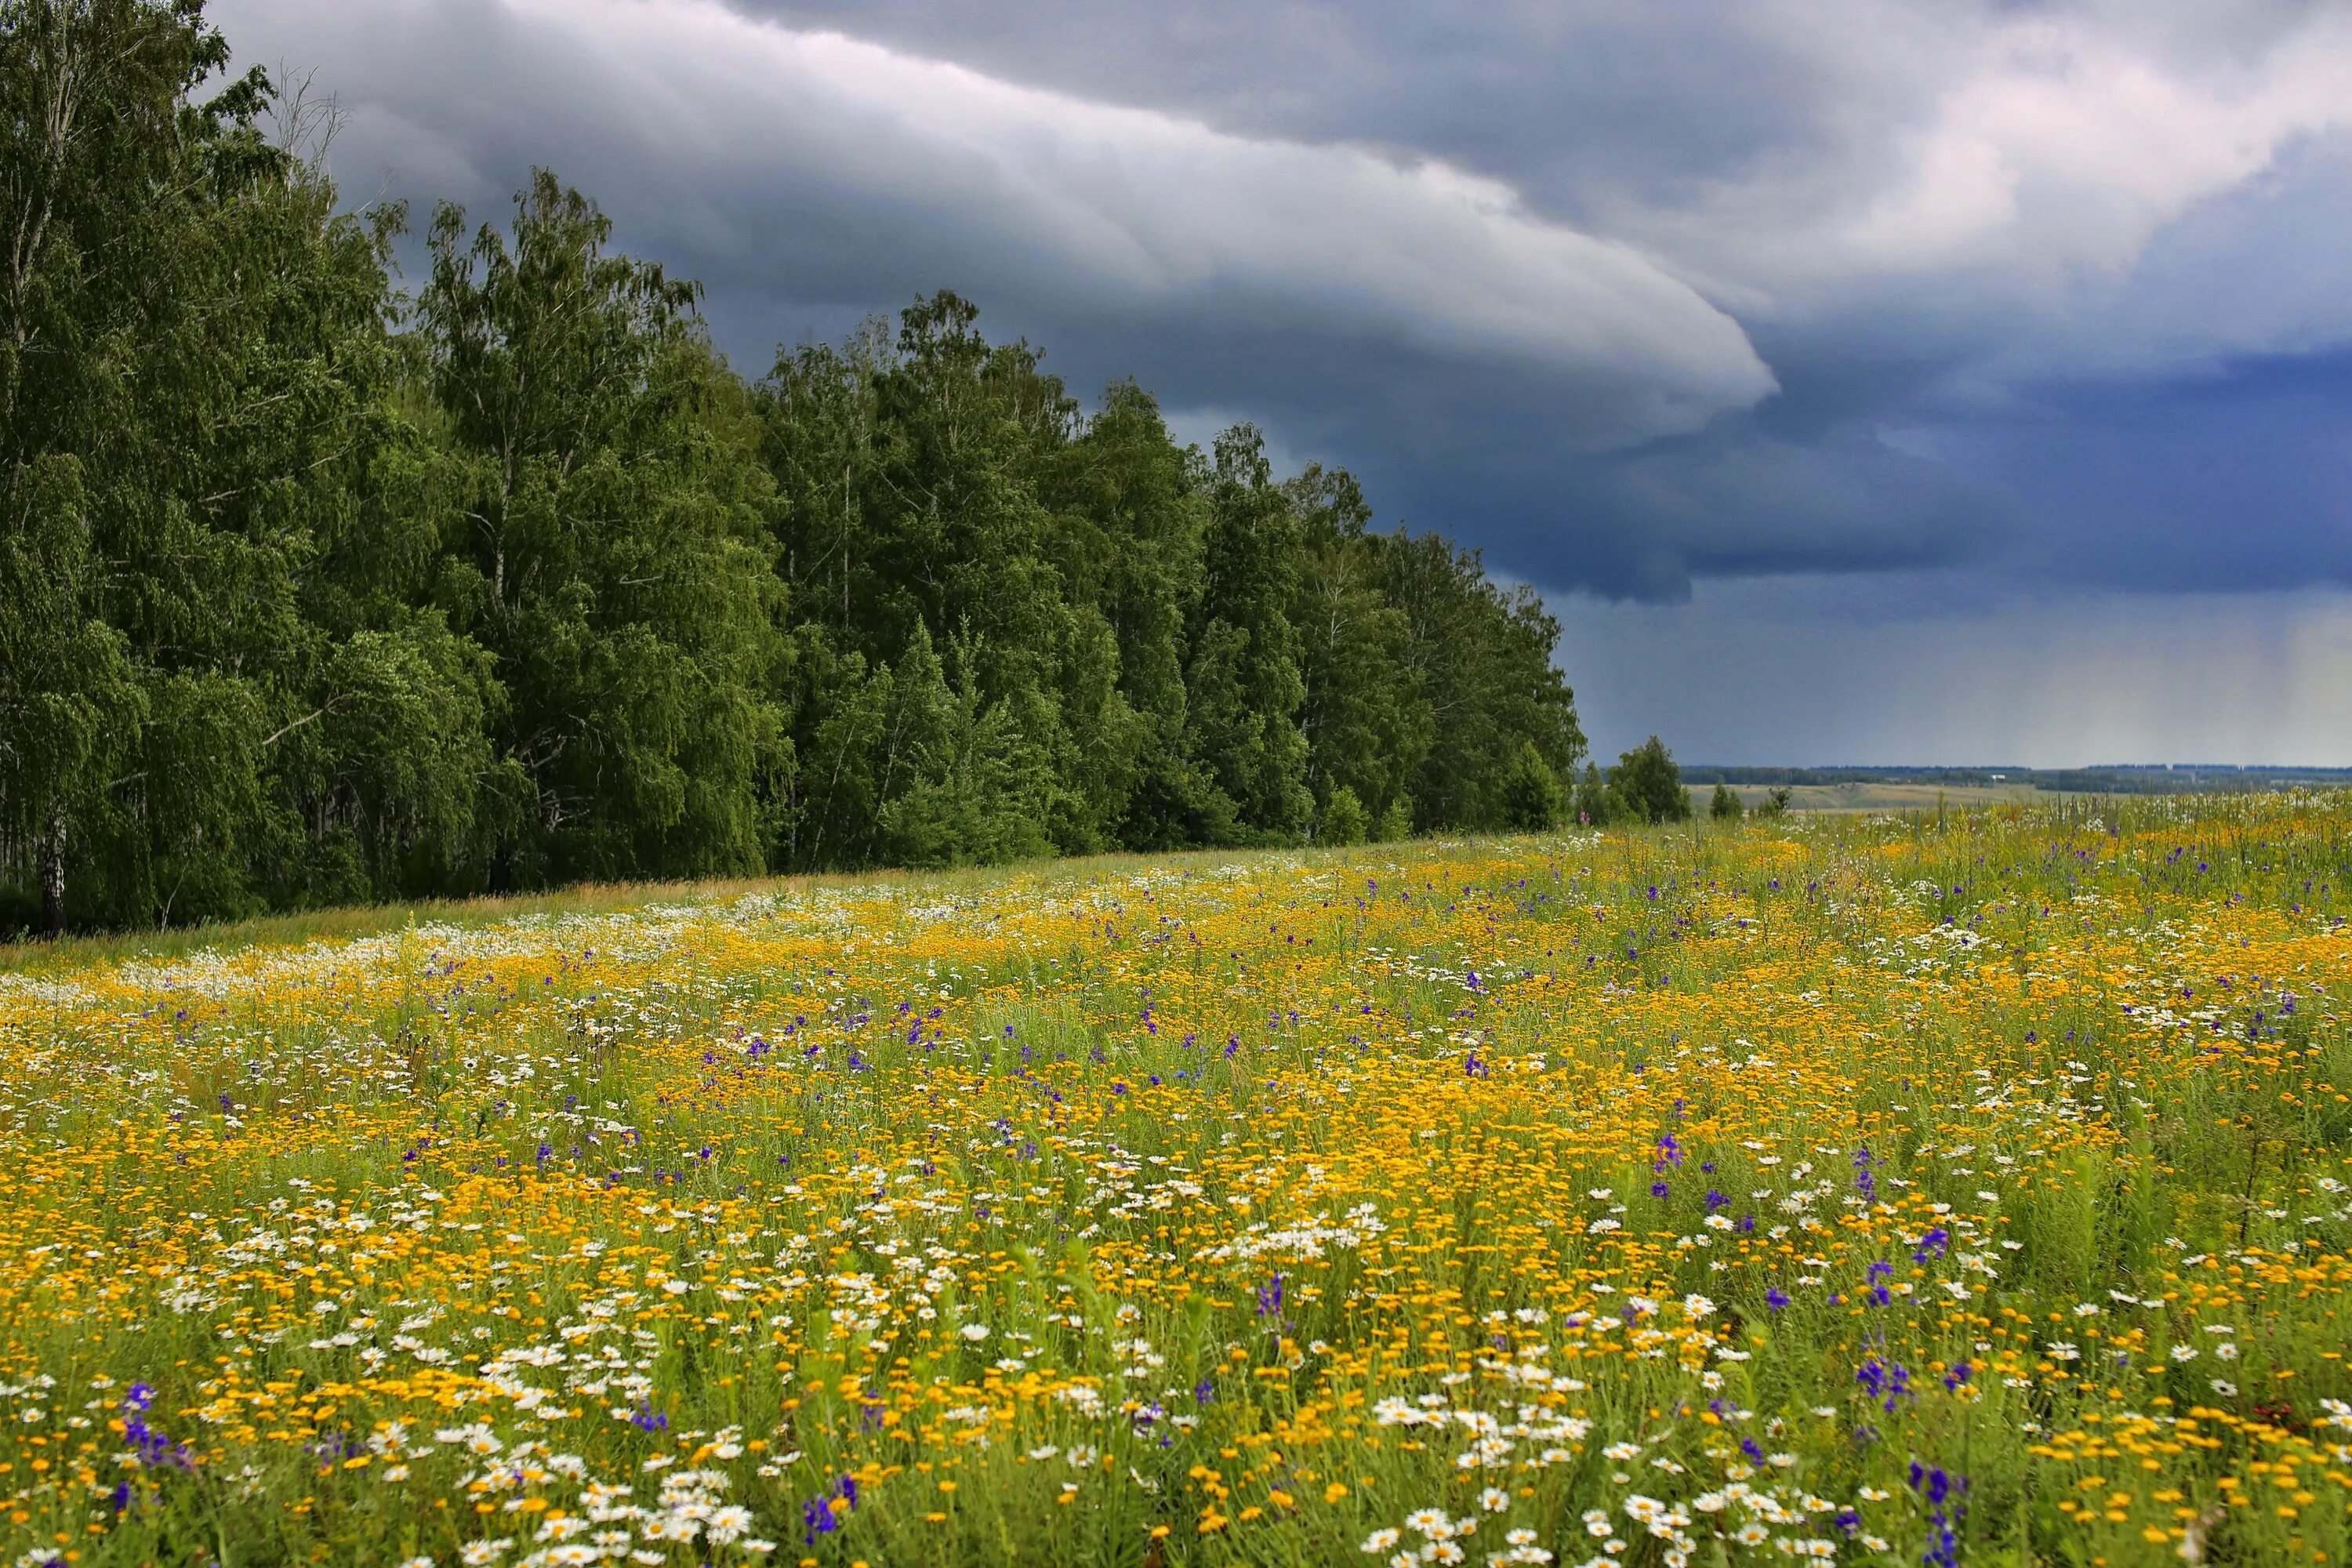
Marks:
<point>811,161</point>
<point>2040,311</point>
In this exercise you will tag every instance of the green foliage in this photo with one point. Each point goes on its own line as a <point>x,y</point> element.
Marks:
<point>70,702</point>
<point>318,590</point>
<point>1648,787</point>
<point>1481,659</point>
<point>1244,687</point>
<point>1531,796</point>
<point>1724,807</point>
<point>1343,821</point>
<point>1594,806</point>
<point>200,465</point>
<point>1131,520</point>
<point>1368,721</point>
<point>975,785</point>
<point>604,506</point>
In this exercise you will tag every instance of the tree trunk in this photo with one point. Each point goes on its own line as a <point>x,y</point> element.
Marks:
<point>53,873</point>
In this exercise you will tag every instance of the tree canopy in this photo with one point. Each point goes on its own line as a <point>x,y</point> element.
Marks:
<point>1649,785</point>
<point>322,589</point>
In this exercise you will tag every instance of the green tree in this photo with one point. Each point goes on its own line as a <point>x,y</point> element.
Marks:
<point>1242,683</point>
<point>378,750</point>
<point>1594,805</point>
<point>1724,807</point>
<point>196,381</point>
<point>937,481</point>
<point>108,169</point>
<point>912,765</point>
<point>1343,820</point>
<point>1532,800</point>
<point>71,701</point>
<point>976,787</point>
<point>1481,658</point>
<point>1132,513</point>
<point>605,540</point>
<point>1649,784</point>
<point>1366,723</point>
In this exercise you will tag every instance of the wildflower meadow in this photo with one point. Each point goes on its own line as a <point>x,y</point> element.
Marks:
<point>1938,1190</point>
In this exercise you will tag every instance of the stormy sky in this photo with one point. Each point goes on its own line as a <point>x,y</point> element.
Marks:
<point>1867,381</point>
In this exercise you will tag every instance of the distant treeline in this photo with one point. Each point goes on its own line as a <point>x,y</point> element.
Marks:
<point>2120,779</point>
<point>318,589</point>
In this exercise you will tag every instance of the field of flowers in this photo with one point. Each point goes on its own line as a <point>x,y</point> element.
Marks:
<point>1857,1190</point>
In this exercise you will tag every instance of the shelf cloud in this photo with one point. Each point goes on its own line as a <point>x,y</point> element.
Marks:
<point>814,163</point>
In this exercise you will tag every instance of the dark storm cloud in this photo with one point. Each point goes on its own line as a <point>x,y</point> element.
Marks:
<point>1633,297</point>
<point>836,171</point>
<point>1562,99</point>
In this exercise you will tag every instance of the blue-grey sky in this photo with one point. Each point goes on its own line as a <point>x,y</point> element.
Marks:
<point>1858,380</point>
